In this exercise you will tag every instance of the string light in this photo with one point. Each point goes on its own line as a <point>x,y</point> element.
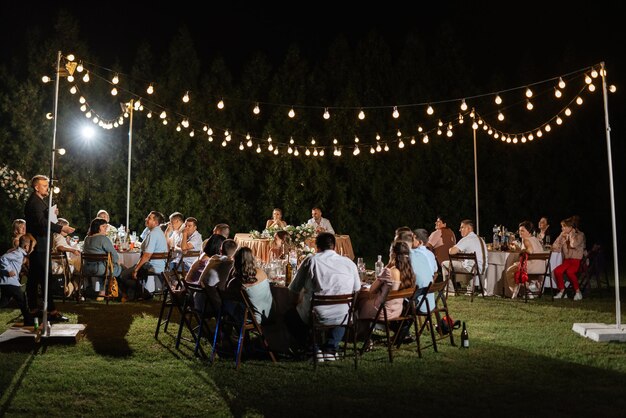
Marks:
<point>568,112</point>
<point>463,105</point>
<point>425,139</point>
<point>612,88</point>
<point>326,114</point>
<point>163,115</point>
<point>82,108</point>
<point>400,144</point>
<point>186,98</point>
<point>150,89</point>
<point>241,146</point>
<point>220,104</point>
<point>258,149</point>
<point>592,88</point>
<point>579,100</point>
<point>356,150</point>
<point>185,123</point>
<point>529,92</point>
<point>594,73</point>
<point>587,79</point>
<point>70,78</point>
<point>498,99</point>
<point>79,67</point>
<point>256,109</point>
<point>192,133</point>
<point>500,116</point>
<point>361,115</point>
<point>73,90</point>
<point>559,121</point>
<point>113,91</point>
<point>529,105</point>
<point>45,79</point>
<point>115,79</point>
<point>395,113</point>
<point>378,148</point>
<point>386,148</point>
<point>291,113</point>
<point>557,93</point>
<point>86,77</point>
<point>307,152</point>
<point>430,110</point>
<point>561,83</point>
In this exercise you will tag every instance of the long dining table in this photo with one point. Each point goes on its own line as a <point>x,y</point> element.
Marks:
<point>261,246</point>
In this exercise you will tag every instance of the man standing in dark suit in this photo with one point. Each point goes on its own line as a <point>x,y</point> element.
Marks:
<point>37,222</point>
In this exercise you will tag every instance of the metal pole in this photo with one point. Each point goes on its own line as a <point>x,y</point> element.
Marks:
<point>476,183</point>
<point>618,315</point>
<point>44,321</point>
<point>130,150</point>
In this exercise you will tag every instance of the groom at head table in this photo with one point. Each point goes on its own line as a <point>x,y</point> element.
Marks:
<point>320,224</point>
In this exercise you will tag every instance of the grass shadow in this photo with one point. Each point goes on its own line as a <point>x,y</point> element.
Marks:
<point>107,326</point>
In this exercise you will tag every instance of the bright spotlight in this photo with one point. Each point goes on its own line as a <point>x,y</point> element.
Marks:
<point>88,132</point>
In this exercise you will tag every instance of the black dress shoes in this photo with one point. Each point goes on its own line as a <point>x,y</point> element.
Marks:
<point>58,317</point>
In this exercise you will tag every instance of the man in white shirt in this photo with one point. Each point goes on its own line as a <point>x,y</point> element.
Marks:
<point>326,273</point>
<point>190,240</point>
<point>320,224</point>
<point>470,243</point>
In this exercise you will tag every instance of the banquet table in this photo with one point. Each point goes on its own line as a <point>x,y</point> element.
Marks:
<point>261,246</point>
<point>128,258</point>
<point>499,261</point>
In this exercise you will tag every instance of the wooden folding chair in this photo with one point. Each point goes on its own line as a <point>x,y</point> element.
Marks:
<point>542,277</point>
<point>440,309</point>
<point>245,325</point>
<point>408,314</point>
<point>142,282</point>
<point>194,319</point>
<point>474,272</point>
<point>107,276</point>
<point>181,269</point>
<point>318,327</point>
<point>65,275</point>
<point>173,298</point>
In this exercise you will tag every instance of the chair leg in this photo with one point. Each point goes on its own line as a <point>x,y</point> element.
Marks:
<point>217,332</point>
<point>160,320</point>
<point>242,334</point>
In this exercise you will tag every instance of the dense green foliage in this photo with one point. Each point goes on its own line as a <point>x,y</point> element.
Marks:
<point>367,196</point>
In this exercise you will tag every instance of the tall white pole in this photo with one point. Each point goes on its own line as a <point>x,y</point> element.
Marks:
<point>476,183</point>
<point>130,150</point>
<point>618,315</point>
<point>44,321</point>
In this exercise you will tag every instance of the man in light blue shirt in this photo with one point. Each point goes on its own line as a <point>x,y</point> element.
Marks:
<point>420,238</point>
<point>10,267</point>
<point>422,267</point>
<point>155,242</point>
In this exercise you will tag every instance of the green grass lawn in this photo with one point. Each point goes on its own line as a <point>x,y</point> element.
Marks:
<point>524,360</point>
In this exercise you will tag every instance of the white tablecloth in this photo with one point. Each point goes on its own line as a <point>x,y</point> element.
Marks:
<point>499,261</point>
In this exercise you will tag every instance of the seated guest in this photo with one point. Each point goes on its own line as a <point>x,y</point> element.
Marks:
<point>422,264</point>
<point>277,220</point>
<point>244,274</point>
<point>279,245</point>
<point>543,232</point>
<point>97,242</point>
<point>320,224</point>
<point>155,242</point>
<point>103,214</point>
<point>441,240</point>
<point>571,243</point>
<point>190,240</point>
<point>174,230</point>
<point>19,229</point>
<point>420,240</point>
<point>212,272</point>
<point>399,231</point>
<point>10,266</point>
<point>326,273</point>
<point>222,229</point>
<point>60,245</point>
<point>530,244</point>
<point>399,275</point>
<point>470,243</point>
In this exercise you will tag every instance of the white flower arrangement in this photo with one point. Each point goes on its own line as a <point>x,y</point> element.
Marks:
<point>14,184</point>
<point>297,234</point>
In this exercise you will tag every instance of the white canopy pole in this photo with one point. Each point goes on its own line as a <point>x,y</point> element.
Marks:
<point>130,150</point>
<point>618,314</point>
<point>476,183</point>
<point>44,321</point>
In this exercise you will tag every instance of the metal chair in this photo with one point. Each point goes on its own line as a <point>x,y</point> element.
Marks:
<point>542,277</point>
<point>61,260</point>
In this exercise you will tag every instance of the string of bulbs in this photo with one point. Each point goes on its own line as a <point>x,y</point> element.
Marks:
<point>141,103</point>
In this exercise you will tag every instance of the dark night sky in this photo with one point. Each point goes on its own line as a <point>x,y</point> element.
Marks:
<point>498,37</point>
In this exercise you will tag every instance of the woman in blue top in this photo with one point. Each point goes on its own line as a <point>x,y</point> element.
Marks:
<point>97,242</point>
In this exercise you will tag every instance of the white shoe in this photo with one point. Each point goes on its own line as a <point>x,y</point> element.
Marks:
<point>560,295</point>
<point>578,296</point>
<point>533,287</point>
<point>330,357</point>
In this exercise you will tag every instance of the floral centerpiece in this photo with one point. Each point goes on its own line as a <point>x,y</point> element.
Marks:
<point>13,183</point>
<point>298,235</point>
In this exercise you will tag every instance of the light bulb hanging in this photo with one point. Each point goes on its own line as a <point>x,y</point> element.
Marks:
<point>150,89</point>
<point>361,115</point>
<point>326,114</point>
<point>256,109</point>
<point>115,79</point>
<point>186,97</point>
<point>86,77</point>
<point>430,110</point>
<point>463,105</point>
<point>220,104</point>
<point>395,113</point>
<point>498,99</point>
<point>291,113</point>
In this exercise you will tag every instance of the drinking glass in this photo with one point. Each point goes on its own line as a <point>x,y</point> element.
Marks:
<point>360,265</point>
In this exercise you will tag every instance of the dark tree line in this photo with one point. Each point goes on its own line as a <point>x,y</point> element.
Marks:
<point>365,196</point>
